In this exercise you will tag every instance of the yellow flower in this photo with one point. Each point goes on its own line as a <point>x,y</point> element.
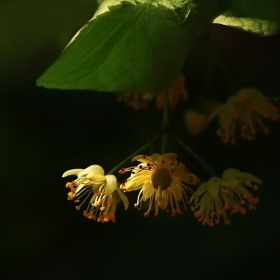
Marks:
<point>244,112</point>
<point>213,199</point>
<point>99,192</point>
<point>160,179</point>
<point>138,101</point>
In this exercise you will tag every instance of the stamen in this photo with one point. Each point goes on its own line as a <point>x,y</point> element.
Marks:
<point>122,171</point>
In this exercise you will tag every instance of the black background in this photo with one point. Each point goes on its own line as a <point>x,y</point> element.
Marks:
<point>46,132</point>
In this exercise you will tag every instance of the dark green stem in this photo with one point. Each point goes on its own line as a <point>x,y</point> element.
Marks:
<point>197,157</point>
<point>121,164</point>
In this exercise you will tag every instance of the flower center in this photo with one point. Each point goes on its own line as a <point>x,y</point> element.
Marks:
<point>161,178</point>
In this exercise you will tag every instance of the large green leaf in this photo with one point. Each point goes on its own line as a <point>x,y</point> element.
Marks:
<point>261,17</point>
<point>138,45</point>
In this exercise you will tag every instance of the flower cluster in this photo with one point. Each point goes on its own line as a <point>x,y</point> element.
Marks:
<point>138,100</point>
<point>219,196</point>
<point>100,193</point>
<point>162,180</point>
<point>244,112</point>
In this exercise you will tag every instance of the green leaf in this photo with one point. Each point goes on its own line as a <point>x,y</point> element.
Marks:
<point>261,17</point>
<point>130,45</point>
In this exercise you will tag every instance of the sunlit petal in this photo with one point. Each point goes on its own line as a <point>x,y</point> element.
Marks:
<point>123,198</point>
<point>111,184</point>
<point>97,169</point>
<point>72,172</point>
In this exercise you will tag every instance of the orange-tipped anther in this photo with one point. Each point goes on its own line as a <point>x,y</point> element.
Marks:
<point>198,214</point>
<point>212,214</point>
<point>122,171</point>
<point>227,222</point>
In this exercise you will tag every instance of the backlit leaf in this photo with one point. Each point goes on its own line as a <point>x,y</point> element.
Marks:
<point>130,45</point>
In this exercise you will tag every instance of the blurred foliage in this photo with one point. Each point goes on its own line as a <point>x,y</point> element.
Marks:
<point>261,17</point>
<point>131,46</point>
<point>35,30</point>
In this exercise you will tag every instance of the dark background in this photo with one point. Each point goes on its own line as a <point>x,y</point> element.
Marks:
<point>46,132</point>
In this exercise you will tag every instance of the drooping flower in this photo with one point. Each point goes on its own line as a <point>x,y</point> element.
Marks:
<point>160,179</point>
<point>215,198</point>
<point>244,112</point>
<point>139,101</point>
<point>100,193</point>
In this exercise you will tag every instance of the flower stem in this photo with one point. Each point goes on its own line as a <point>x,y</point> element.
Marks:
<point>165,121</point>
<point>196,156</point>
<point>122,163</point>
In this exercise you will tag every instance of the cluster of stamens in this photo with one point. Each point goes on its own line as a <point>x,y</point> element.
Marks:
<point>228,200</point>
<point>97,204</point>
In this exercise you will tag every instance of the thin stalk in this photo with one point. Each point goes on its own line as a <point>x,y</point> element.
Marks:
<point>122,163</point>
<point>197,157</point>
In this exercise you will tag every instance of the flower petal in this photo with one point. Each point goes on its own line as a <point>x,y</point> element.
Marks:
<point>148,191</point>
<point>201,189</point>
<point>72,172</point>
<point>123,198</point>
<point>142,158</point>
<point>96,178</point>
<point>111,184</point>
<point>177,191</point>
<point>170,156</point>
<point>189,178</point>
<point>97,169</point>
<point>165,199</point>
<point>155,157</point>
<point>231,172</point>
<point>213,186</point>
<point>230,182</point>
<point>251,177</point>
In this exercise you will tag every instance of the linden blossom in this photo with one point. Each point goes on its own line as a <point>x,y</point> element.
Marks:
<point>161,179</point>
<point>216,197</point>
<point>138,101</point>
<point>244,112</point>
<point>103,190</point>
